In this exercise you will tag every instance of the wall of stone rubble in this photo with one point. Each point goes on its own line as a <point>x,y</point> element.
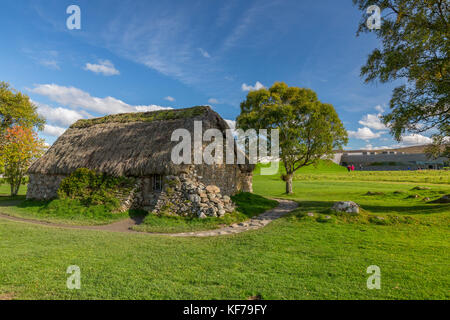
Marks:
<point>43,187</point>
<point>184,195</point>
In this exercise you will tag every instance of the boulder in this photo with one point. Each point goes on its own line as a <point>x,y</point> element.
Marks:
<point>421,188</point>
<point>195,198</point>
<point>346,206</point>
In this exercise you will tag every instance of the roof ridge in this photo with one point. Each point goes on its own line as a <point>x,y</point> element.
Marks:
<point>147,116</point>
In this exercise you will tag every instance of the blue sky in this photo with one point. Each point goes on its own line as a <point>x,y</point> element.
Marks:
<point>144,55</point>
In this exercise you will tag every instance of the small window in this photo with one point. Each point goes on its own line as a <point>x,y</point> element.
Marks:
<point>156,182</point>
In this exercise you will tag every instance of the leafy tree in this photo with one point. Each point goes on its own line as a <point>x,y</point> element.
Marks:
<point>415,48</point>
<point>309,130</point>
<point>21,147</point>
<point>17,109</point>
<point>441,145</point>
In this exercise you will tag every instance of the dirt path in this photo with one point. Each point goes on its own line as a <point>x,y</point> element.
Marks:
<point>284,207</point>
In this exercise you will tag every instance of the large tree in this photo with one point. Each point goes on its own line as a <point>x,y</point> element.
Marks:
<point>415,49</point>
<point>309,130</point>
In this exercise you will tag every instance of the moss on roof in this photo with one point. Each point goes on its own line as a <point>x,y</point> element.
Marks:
<point>170,114</point>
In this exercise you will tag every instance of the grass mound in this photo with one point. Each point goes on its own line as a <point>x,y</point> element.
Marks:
<point>248,206</point>
<point>143,116</point>
<point>374,193</point>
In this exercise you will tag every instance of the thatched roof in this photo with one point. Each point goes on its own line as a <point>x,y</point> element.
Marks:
<point>130,144</point>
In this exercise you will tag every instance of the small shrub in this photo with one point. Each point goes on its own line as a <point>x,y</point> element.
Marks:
<point>92,188</point>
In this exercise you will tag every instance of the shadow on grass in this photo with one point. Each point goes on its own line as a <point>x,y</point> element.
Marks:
<point>8,201</point>
<point>413,209</point>
<point>64,208</point>
<point>325,206</point>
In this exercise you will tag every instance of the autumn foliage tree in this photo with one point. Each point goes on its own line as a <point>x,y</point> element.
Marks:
<point>20,147</point>
<point>18,118</point>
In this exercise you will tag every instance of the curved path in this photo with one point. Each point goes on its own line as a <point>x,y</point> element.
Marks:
<point>284,207</point>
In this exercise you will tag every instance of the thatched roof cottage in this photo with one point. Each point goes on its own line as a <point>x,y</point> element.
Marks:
<point>139,145</point>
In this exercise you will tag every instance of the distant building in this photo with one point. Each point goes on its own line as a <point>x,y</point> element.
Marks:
<point>397,159</point>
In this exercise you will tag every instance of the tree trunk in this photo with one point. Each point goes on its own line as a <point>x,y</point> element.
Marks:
<point>16,189</point>
<point>289,183</point>
<point>15,185</point>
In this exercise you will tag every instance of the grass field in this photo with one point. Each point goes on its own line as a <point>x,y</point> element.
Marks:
<point>295,257</point>
<point>329,171</point>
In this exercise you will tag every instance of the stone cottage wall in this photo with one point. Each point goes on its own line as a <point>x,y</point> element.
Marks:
<point>228,178</point>
<point>43,187</point>
<point>182,195</point>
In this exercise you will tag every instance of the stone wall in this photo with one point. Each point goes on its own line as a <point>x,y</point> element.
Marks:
<point>227,177</point>
<point>43,187</point>
<point>183,195</point>
<point>246,182</point>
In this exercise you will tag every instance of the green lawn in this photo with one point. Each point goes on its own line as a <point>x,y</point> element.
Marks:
<point>295,257</point>
<point>56,211</point>
<point>329,171</point>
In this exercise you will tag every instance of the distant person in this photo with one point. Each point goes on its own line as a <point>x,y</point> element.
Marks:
<point>353,167</point>
<point>360,167</point>
<point>349,168</point>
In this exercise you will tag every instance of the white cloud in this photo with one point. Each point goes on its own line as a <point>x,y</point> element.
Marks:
<point>52,64</point>
<point>105,67</point>
<point>76,98</point>
<point>415,139</point>
<point>61,116</point>
<point>213,101</point>
<point>364,134</point>
<point>204,53</point>
<point>371,147</point>
<point>379,108</point>
<point>169,98</point>
<point>53,130</point>
<point>372,121</point>
<point>258,85</point>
